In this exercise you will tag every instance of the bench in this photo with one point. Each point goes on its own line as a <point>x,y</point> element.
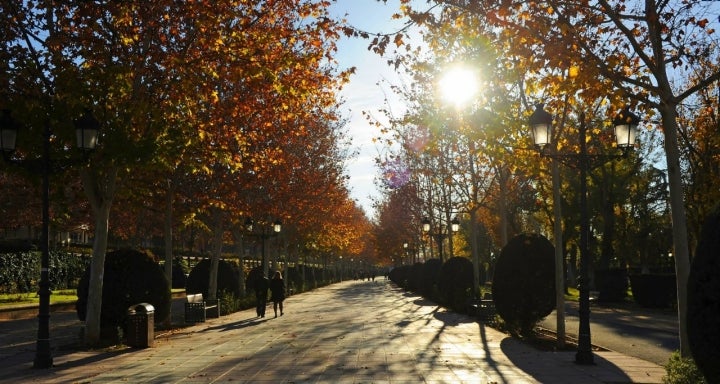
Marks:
<point>197,309</point>
<point>483,309</point>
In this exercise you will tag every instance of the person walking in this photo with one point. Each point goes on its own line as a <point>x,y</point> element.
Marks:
<point>277,292</point>
<point>261,291</point>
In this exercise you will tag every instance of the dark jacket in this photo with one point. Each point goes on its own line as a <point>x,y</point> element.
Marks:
<point>277,290</point>
<point>261,287</point>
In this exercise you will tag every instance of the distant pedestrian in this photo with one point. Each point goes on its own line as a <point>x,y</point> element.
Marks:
<point>261,293</point>
<point>277,291</point>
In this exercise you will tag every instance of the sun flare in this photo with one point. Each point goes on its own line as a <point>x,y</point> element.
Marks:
<point>458,86</point>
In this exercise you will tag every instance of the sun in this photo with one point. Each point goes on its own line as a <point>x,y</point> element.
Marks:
<point>458,85</point>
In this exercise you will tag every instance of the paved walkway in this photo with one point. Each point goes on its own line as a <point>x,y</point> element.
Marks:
<point>352,332</point>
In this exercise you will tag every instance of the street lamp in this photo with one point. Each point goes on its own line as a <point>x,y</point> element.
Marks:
<point>263,235</point>
<point>86,128</point>
<point>440,235</point>
<point>625,134</point>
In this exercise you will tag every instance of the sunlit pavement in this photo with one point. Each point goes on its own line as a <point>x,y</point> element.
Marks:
<point>351,332</point>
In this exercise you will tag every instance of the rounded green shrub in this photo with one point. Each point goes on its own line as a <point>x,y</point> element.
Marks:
<point>415,277</point>
<point>703,312</point>
<point>682,370</point>
<point>455,282</point>
<point>400,276</point>
<point>430,275</point>
<point>655,290</point>
<point>131,277</point>
<point>612,284</point>
<point>228,278</point>
<point>180,271</point>
<point>524,282</point>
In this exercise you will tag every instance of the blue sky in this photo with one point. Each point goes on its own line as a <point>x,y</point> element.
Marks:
<point>363,93</point>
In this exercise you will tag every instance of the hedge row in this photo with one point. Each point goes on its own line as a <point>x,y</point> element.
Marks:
<point>20,270</point>
<point>448,283</point>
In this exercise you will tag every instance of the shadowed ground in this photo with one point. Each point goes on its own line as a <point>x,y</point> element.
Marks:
<point>352,332</point>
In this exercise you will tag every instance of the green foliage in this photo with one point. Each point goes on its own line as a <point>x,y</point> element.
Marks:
<point>66,269</point>
<point>430,277</point>
<point>612,284</point>
<point>180,270</point>
<point>229,303</point>
<point>228,278</point>
<point>703,311</point>
<point>294,277</point>
<point>131,277</point>
<point>654,290</point>
<point>400,276</point>
<point>455,282</point>
<point>524,282</point>
<point>20,270</point>
<point>415,279</point>
<point>682,370</point>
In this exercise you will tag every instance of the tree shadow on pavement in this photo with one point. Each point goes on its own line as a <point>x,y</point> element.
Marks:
<point>548,367</point>
<point>424,302</point>
<point>93,357</point>
<point>251,322</point>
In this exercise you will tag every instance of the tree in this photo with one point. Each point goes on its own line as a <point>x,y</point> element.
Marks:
<point>397,225</point>
<point>635,50</point>
<point>217,89</point>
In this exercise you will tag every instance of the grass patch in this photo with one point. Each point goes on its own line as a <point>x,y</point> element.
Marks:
<point>572,294</point>
<point>65,296</point>
<point>62,296</point>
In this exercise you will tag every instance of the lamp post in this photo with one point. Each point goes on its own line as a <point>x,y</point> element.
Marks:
<point>86,129</point>
<point>263,235</point>
<point>625,134</point>
<point>440,235</point>
<point>407,251</point>
<point>411,253</point>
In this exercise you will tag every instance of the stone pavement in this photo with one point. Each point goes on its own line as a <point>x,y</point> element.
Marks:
<point>351,332</point>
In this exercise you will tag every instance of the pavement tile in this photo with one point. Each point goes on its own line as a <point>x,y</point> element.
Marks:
<point>351,332</point>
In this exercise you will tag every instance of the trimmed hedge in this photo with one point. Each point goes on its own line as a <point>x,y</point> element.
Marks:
<point>703,313</point>
<point>180,270</point>
<point>612,284</point>
<point>430,277</point>
<point>20,270</point>
<point>455,282</point>
<point>524,284</point>
<point>401,276</point>
<point>131,277</point>
<point>228,279</point>
<point>415,279</point>
<point>654,290</point>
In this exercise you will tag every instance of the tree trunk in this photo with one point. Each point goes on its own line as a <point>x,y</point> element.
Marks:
<point>679,221</point>
<point>502,171</point>
<point>100,190</point>
<point>215,253</point>
<point>168,234</point>
<point>474,248</point>
<point>240,252</point>
<point>559,256</point>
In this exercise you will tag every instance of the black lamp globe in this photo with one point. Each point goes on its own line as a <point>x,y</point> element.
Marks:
<point>541,126</point>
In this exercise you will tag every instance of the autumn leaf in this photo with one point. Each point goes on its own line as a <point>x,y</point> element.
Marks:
<point>399,40</point>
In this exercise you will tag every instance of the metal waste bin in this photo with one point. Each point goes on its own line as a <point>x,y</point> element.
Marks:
<point>140,325</point>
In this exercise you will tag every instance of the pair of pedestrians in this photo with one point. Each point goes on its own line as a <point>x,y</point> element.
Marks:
<point>277,293</point>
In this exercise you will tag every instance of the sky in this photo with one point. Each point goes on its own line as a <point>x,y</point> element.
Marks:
<point>363,93</point>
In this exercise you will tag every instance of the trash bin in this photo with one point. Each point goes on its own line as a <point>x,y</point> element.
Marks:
<point>140,325</point>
